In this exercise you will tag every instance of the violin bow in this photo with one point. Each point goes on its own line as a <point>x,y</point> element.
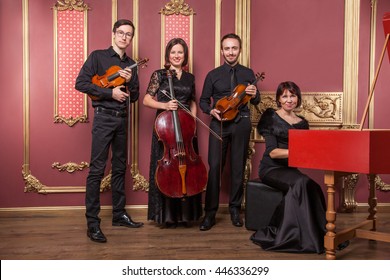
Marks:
<point>190,113</point>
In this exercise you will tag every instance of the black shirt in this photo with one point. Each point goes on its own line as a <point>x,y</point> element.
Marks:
<point>217,86</point>
<point>97,63</point>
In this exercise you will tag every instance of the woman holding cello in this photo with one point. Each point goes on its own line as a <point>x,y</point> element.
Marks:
<point>168,167</point>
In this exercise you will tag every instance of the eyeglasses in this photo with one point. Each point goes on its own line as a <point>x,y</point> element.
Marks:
<point>123,34</point>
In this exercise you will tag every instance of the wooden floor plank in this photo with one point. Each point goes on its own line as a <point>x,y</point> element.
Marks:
<point>61,235</point>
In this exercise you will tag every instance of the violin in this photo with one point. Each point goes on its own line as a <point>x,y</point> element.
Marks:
<point>228,105</point>
<point>112,78</point>
<point>181,171</point>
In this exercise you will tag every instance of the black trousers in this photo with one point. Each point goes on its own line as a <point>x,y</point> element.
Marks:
<point>235,134</point>
<point>107,131</point>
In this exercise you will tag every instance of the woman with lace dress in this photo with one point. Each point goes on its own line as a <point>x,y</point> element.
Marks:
<point>298,223</point>
<point>163,210</point>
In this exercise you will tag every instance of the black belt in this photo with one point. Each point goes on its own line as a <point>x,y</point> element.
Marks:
<point>118,114</point>
<point>239,116</point>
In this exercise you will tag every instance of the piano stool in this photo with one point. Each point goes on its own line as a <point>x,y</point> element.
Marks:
<point>261,201</point>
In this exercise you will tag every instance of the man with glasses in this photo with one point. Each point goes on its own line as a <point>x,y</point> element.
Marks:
<point>111,106</point>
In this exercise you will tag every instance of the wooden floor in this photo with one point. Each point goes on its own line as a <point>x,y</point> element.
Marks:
<point>61,235</point>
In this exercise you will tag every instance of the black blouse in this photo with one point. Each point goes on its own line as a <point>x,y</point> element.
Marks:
<point>275,129</point>
<point>184,88</point>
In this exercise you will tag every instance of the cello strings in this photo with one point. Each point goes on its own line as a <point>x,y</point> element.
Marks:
<point>189,112</point>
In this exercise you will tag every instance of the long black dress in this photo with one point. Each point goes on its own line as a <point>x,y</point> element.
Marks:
<point>298,223</point>
<point>162,209</point>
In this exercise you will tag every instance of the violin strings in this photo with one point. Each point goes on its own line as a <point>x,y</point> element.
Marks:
<point>189,112</point>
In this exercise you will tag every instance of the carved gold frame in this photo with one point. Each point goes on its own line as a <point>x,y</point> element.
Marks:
<point>32,184</point>
<point>139,181</point>
<point>243,28</point>
<point>63,5</point>
<point>217,38</point>
<point>177,7</point>
<point>70,167</point>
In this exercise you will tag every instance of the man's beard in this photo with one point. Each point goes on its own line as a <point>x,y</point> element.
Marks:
<point>231,62</point>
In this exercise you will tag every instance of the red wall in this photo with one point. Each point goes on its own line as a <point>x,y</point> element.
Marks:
<point>300,40</point>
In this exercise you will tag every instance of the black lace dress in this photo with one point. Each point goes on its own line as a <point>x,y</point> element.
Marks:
<point>298,223</point>
<point>162,209</point>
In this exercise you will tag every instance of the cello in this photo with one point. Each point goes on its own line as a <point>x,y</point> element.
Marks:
<point>181,171</point>
<point>228,105</point>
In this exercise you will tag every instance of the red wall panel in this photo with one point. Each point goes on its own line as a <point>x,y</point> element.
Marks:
<point>301,41</point>
<point>11,118</point>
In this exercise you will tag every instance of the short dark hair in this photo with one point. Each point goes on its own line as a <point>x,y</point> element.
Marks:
<point>232,36</point>
<point>122,22</point>
<point>290,86</point>
<point>170,45</point>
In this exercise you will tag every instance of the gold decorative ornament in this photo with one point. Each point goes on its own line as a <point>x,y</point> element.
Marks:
<point>105,184</point>
<point>317,107</point>
<point>248,169</point>
<point>32,184</point>
<point>380,185</point>
<point>351,126</point>
<point>177,7</point>
<point>70,167</point>
<point>322,110</point>
<point>77,5</point>
<point>70,121</point>
<point>322,107</point>
<point>139,182</point>
<point>347,193</point>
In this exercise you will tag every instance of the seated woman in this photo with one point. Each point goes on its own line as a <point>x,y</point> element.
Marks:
<point>298,223</point>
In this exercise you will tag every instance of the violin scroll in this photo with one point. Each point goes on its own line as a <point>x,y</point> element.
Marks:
<point>259,76</point>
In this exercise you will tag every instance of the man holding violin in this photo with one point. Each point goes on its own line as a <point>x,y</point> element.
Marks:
<point>111,106</point>
<point>221,83</point>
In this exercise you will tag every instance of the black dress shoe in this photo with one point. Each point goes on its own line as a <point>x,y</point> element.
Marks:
<point>96,234</point>
<point>207,223</point>
<point>126,221</point>
<point>236,219</point>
